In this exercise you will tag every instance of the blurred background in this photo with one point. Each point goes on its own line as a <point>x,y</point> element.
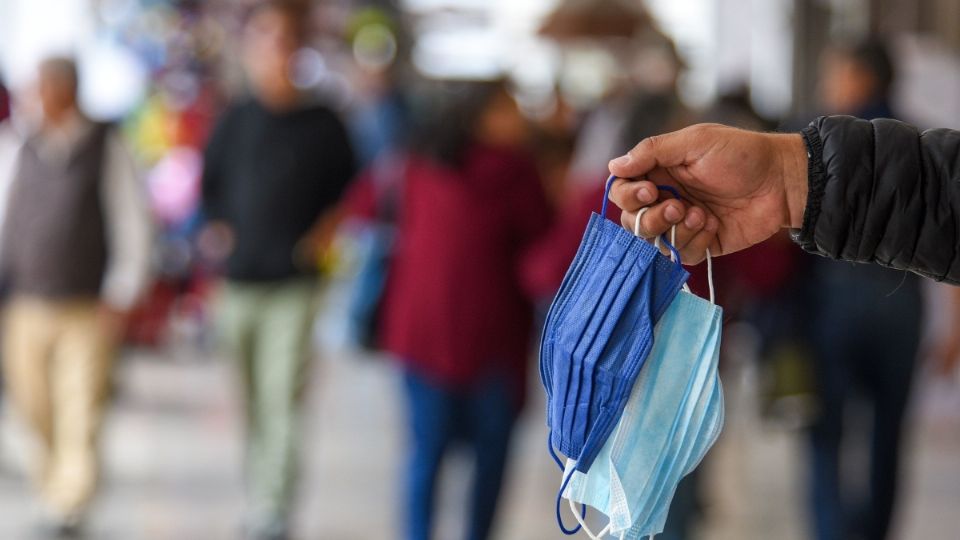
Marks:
<point>843,396</point>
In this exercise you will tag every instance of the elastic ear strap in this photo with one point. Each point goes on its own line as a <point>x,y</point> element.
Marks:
<point>710,277</point>
<point>606,195</point>
<point>583,524</point>
<point>583,511</point>
<point>636,223</point>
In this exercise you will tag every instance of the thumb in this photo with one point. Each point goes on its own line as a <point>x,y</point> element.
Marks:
<point>659,151</point>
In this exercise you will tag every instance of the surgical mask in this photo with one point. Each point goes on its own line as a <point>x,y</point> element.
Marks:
<point>672,418</point>
<point>599,331</point>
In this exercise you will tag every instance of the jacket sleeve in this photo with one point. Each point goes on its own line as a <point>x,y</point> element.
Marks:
<point>881,191</point>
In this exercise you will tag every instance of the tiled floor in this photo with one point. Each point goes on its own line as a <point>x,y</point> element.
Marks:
<point>172,463</point>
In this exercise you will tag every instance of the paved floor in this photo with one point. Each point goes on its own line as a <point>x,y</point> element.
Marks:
<point>172,462</point>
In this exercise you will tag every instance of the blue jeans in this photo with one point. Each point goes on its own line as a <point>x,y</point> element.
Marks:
<point>482,416</point>
<point>866,335</point>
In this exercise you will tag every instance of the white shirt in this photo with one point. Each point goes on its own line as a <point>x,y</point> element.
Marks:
<point>126,211</point>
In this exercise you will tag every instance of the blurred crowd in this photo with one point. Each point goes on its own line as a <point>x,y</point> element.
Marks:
<point>449,209</point>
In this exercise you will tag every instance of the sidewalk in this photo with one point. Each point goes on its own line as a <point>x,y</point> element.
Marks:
<point>173,463</point>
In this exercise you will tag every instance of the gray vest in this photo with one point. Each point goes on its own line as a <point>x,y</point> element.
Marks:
<point>54,240</point>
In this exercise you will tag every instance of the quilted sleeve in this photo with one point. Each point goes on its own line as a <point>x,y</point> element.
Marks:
<point>882,192</point>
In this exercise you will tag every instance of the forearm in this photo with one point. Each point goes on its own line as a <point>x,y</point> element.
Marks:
<point>129,229</point>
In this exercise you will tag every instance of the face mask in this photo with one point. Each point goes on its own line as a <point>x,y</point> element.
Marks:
<point>673,416</point>
<point>599,331</point>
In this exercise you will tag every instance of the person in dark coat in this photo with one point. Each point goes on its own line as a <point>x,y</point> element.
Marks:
<point>274,169</point>
<point>864,328</point>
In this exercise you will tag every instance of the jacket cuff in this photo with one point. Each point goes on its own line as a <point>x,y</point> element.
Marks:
<point>816,183</point>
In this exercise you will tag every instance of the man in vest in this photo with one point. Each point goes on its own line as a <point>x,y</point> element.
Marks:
<point>75,259</point>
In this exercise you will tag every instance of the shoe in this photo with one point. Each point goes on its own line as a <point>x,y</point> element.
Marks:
<point>61,528</point>
<point>272,530</point>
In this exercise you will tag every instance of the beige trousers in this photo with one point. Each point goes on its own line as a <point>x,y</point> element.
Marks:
<point>58,359</point>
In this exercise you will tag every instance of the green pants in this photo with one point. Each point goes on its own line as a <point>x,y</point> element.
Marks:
<point>266,328</point>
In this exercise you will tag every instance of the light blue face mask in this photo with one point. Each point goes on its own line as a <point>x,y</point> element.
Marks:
<point>672,417</point>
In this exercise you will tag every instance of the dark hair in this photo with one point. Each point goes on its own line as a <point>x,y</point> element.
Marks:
<point>448,119</point>
<point>874,55</point>
<point>296,12</point>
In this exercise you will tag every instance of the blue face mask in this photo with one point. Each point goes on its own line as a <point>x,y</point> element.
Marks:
<point>599,331</point>
<point>673,416</point>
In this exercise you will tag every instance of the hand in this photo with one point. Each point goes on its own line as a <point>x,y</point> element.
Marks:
<point>113,322</point>
<point>743,187</point>
<point>945,356</point>
<point>215,241</point>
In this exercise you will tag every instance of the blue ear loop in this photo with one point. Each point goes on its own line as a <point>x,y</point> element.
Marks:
<point>553,453</point>
<point>662,187</point>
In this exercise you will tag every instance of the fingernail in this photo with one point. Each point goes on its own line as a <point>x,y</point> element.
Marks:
<point>693,220</point>
<point>712,224</point>
<point>672,214</point>
<point>621,161</point>
<point>644,195</point>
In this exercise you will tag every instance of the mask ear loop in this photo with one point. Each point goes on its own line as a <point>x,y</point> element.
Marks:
<point>583,524</point>
<point>583,509</point>
<point>606,195</point>
<point>710,277</point>
<point>674,254</point>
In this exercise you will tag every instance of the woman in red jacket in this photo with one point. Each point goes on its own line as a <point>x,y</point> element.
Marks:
<point>456,313</point>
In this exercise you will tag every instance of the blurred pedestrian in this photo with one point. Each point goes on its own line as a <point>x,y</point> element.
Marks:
<point>75,258</point>
<point>865,326</point>
<point>4,102</point>
<point>274,168</point>
<point>456,314</point>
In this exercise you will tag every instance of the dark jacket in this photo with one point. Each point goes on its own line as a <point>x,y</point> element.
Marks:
<point>270,176</point>
<point>882,191</point>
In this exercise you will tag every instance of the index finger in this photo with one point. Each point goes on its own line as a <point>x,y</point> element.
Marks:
<point>653,152</point>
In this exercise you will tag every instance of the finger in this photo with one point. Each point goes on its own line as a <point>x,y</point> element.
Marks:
<point>692,223</point>
<point>695,251</point>
<point>657,220</point>
<point>667,150</point>
<point>632,195</point>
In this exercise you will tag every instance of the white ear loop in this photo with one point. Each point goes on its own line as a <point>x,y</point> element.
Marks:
<point>673,240</point>
<point>636,223</point>
<point>586,529</point>
<point>710,277</point>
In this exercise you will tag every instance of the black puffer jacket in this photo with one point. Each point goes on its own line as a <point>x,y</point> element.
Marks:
<point>881,191</point>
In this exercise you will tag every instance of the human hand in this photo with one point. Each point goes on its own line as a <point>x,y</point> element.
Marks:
<point>945,355</point>
<point>742,187</point>
<point>215,241</point>
<point>112,321</point>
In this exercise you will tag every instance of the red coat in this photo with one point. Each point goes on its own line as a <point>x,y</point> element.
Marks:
<point>455,307</point>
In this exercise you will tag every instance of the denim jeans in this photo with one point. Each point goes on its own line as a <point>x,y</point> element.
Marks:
<point>866,331</point>
<point>481,415</point>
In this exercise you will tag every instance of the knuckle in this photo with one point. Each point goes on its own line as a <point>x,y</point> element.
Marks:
<point>650,143</point>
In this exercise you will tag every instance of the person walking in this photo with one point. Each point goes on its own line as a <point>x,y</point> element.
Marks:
<point>457,312</point>
<point>274,169</point>
<point>75,258</point>
<point>865,325</point>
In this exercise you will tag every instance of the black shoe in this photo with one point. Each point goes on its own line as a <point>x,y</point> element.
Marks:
<point>61,529</point>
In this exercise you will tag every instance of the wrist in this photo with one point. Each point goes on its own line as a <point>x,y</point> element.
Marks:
<point>793,166</point>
